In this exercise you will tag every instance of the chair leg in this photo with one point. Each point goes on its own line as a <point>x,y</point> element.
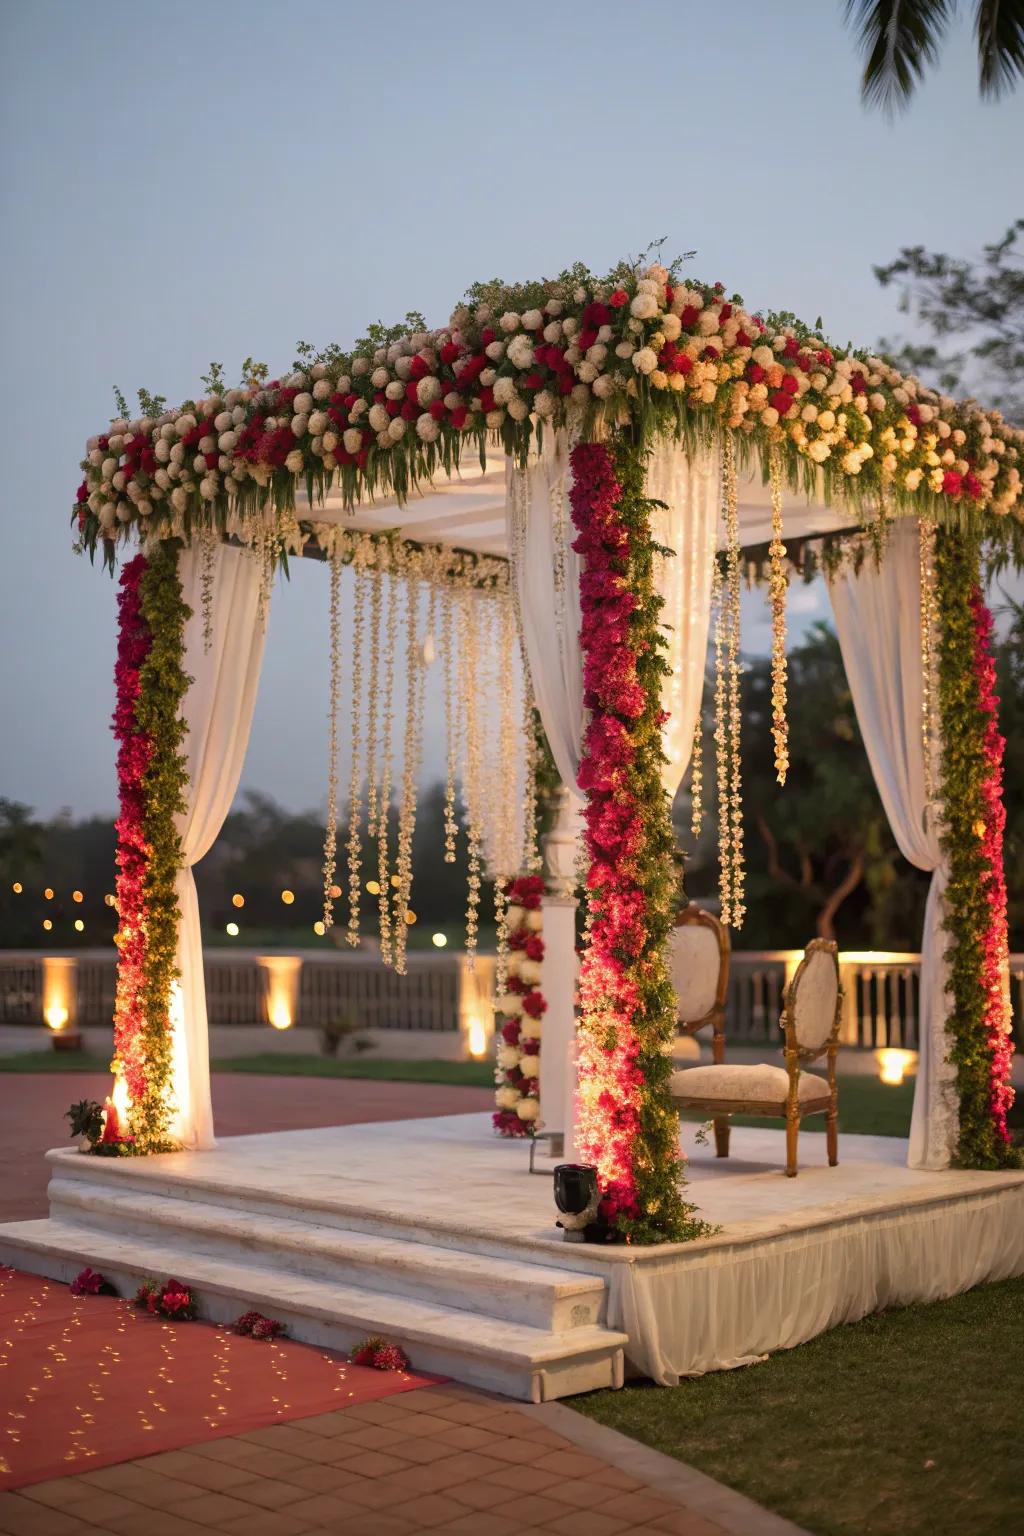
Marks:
<point>722,1138</point>
<point>792,1132</point>
<point>832,1136</point>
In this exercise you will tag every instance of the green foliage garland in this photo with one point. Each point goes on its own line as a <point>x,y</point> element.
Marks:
<point>965,769</point>
<point>163,684</point>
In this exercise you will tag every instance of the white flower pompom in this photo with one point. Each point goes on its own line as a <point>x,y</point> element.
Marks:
<point>427,429</point>
<point>495,350</point>
<point>294,462</point>
<point>378,418</point>
<point>494,419</point>
<point>644,306</point>
<point>520,352</point>
<point>353,440</point>
<point>162,450</point>
<point>179,499</point>
<point>322,389</point>
<point>529,971</point>
<point>360,366</point>
<point>208,487</point>
<point>302,404</point>
<point>507,1098</point>
<point>509,321</point>
<point>379,377</point>
<point>318,423</point>
<point>226,441</point>
<point>645,360</point>
<point>604,386</point>
<point>533,320</point>
<point>535,920</point>
<point>528,1110</point>
<point>508,1057</point>
<point>518,410</point>
<point>108,469</point>
<point>428,390</point>
<point>504,390</point>
<point>300,425</point>
<point>396,429</point>
<point>545,403</point>
<point>529,1064</point>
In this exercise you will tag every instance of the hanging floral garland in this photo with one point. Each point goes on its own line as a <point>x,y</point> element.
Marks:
<point>974,817</point>
<point>520,1006</point>
<point>150,682</point>
<point>626,1124</point>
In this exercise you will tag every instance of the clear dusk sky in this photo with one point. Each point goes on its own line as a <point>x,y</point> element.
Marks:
<point>202,181</point>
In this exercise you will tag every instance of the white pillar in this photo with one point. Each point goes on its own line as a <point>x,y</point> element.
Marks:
<point>560,973</point>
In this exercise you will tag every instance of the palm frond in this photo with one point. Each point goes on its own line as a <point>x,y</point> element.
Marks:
<point>999,28</point>
<point>899,39</point>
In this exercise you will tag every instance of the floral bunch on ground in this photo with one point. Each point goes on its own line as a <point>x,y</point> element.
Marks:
<point>89,1282</point>
<point>254,1325</point>
<point>520,1010</point>
<point>641,343</point>
<point>380,1355</point>
<point>166,1298</point>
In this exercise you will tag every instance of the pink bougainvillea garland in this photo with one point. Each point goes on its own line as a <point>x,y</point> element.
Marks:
<point>520,1010</point>
<point>626,1124</point>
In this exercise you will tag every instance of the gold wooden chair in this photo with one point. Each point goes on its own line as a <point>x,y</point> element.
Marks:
<point>810,1022</point>
<point>699,966</point>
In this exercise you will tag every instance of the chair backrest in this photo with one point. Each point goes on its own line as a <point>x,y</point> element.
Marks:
<point>698,958</point>
<point>811,1016</point>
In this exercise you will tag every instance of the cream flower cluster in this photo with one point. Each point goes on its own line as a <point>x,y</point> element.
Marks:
<point>520,1096</point>
<point>666,353</point>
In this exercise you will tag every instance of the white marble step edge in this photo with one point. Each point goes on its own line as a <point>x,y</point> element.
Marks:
<point>151,1175</point>
<point>537,1295</point>
<point>526,1363</point>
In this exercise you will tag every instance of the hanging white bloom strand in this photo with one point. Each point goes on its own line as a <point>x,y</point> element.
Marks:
<point>384,788</point>
<point>722,749</point>
<point>733,657</point>
<point>414,680</point>
<point>928,620</point>
<point>468,680</point>
<point>778,584</point>
<point>331,833</point>
<point>355,783</point>
<point>450,722</point>
<point>208,543</point>
<point>372,698</point>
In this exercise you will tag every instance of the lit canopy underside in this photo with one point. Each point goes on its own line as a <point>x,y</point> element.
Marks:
<point>467,511</point>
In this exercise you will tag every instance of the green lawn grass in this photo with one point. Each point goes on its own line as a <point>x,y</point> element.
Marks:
<point>905,1424</point>
<point>473,1074</point>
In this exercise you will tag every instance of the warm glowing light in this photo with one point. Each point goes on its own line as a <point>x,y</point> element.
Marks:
<point>121,1099</point>
<point>893,1065</point>
<point>476,1038</point>
<point>282,988</point>
<point>439,940</point>
<point>48,893</point>
<point>56,1017</point>
<point>335,892</point>
<point>287,897</point>
<point>59,988</point>
<point>79,925</point>
<point>17,887</point>
<point>238,900</point>
<point>232,929</point>
<point>395,881</point>
<point>77,896</point>
<point>319,929</point>
<point>373,887</point>
<point>47,924</point>
<point>410,917</point>
<point>109,899</point>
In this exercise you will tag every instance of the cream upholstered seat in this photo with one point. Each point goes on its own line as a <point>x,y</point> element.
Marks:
<point>759,1084</point>
<point>810,1021</point>
<point>698,960</point>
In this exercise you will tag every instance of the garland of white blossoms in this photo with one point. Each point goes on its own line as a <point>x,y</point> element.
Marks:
<point>681,358</point>
<point>520,1007</point>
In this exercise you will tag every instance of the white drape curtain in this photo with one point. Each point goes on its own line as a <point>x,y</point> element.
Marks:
<point>218,710</point>
<point>546,571</point>
<point>877,614</point>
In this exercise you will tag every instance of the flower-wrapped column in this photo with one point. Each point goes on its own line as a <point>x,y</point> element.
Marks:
<point>626,1124</point>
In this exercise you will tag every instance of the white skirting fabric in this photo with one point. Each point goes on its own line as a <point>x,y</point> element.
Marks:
<point>877,614</point>
<point>735,1303</point>
<point>218,709</point>
<point>546,571</point>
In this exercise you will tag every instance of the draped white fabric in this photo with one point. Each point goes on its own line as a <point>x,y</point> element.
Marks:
<point>877,614</point>
<point>546,572</point>
<point>218,710</point>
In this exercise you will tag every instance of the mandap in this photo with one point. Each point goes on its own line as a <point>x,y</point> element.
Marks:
<point>554,499</point>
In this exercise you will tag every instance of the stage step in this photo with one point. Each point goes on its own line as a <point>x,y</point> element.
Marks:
<point>536,1295</point>
<point>527,1362</point>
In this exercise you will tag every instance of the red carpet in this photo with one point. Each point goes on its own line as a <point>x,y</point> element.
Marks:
<point>89,1381</point>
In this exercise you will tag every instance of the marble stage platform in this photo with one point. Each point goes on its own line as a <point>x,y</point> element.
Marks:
<point>433,1233</point>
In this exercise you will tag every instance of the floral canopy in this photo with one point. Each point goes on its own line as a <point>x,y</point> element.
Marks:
<point>408,437</point>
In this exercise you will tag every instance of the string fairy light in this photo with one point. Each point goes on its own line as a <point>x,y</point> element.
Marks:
<point>778,584</point>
